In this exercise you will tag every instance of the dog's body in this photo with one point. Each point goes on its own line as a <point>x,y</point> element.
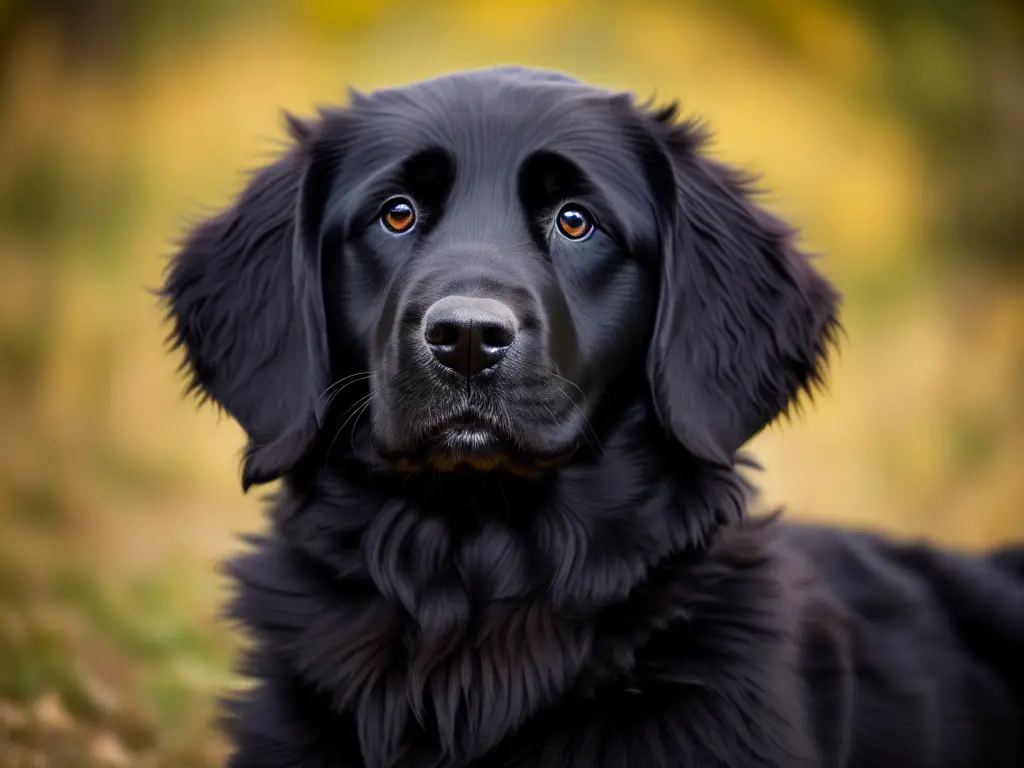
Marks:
<point>530,547</point>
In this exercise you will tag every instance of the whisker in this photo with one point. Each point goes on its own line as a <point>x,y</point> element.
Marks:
<point>334,390</point>
<point>355,410</point>
<point>357,406</point>
<point>352,432</point>
<point>335,394</point>
<point>341,429</point>
<point>589,432</point>
<point>342,380</point>
<point>571,384</point>
<point>554,418</point>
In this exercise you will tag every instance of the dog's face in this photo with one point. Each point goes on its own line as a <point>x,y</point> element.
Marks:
<point>487,255</point>
<point>495,267</point>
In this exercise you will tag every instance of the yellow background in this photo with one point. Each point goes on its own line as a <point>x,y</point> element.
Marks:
<point>891,133</point>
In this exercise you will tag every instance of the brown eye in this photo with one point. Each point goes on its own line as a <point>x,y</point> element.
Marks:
<point>574,223</point>
<point>398,216</point>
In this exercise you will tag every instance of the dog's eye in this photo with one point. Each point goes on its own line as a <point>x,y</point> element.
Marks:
<point>574,222</point>
<point>398,216</point>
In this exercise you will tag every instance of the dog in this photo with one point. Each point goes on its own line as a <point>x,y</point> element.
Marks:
<point>501,335</point>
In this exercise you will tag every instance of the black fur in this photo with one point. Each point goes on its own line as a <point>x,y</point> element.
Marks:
<point>590,593</point>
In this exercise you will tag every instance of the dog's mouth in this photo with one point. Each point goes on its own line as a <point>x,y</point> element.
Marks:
<point>473,443</point>
<point>467,441</point>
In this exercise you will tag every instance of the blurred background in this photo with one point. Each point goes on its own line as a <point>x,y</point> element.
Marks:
<point>892,133</point>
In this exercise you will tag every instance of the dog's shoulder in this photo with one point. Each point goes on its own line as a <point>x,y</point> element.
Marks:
<point>729,632</point>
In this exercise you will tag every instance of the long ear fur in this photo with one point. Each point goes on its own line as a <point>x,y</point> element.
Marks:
<point>243,298</point>
<point>744,321</point>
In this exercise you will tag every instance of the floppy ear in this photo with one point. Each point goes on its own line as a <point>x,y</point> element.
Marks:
<point>245,303</point>
<point>744,321</point>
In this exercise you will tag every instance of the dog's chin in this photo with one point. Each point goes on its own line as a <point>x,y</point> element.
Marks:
<point>472,445</point>
<point>476,447</point>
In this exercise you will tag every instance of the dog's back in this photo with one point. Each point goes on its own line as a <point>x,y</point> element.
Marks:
<point>935,639</point>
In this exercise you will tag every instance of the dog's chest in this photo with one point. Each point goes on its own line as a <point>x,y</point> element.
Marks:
<point>543,692</point>
<point>434,677</point>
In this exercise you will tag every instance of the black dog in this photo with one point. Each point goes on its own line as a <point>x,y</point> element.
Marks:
<point>502,334</point>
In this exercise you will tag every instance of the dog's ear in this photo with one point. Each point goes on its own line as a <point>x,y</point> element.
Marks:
<point>245,302</point>
<point>744,321</point>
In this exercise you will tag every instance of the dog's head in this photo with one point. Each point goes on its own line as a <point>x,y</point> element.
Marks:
<point>482,260</point>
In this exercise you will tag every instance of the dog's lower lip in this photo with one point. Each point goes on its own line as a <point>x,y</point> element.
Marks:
<point>467,439</point>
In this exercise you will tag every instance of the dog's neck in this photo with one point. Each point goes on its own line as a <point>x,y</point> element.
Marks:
<point>433,579</point>
<point>584,535</point>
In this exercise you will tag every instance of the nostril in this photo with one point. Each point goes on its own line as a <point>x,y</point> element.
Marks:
<point>497,336</point>
<point>469,335</point>
<point>442,334</point>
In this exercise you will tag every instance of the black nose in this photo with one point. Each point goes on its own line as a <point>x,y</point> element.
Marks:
<point>469,335</point>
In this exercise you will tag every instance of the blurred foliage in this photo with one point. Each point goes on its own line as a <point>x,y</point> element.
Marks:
<point>890,132</point>
<point>952,71</point>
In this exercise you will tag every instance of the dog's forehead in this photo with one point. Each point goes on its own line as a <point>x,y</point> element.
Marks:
<point>489,122</point>
<point>505,112</point>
